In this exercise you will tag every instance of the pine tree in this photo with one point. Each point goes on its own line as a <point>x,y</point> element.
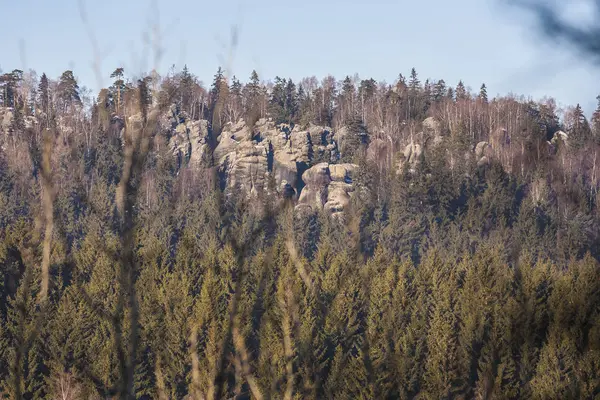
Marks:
<point>217,97</point>
<point>483,94</point>
<point>427,96</point>
<point>9,83</point>
<point>252,95</point>
<point>291,102</point>
<point>444,377</point>
<point>596,122</point>
<point>461,92</point>
<point>186,90</point>
<point>439,90</point>
<point>277,101</point>
<point>68,90</point>
<point>118,87</point>
<point>44,94</point>
<point>414,84</point>
<point>348,96</point>
<point>579,130</point>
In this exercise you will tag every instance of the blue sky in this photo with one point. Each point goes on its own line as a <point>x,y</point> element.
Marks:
<point>473,40</point>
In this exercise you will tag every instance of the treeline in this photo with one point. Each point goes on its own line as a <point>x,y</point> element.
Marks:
<point>454,280</point>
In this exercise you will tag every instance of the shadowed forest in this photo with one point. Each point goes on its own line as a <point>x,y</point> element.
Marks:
<point>272,239</point>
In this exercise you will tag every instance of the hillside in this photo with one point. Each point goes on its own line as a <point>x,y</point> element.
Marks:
<point>316,239</point>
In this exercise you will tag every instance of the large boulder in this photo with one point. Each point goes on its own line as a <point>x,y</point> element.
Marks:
<point>246,168</point>
<point>483,153</point>
<point>327,186</point>
<point>316,181</point>
<point>431,127</point>
<point>231,136</point>
<point>409,158</point>
<point>340,188</point>
<point>6,119</point>
<point>189,142</point>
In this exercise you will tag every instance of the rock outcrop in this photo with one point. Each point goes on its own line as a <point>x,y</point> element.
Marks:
<point>298,161</point>
<point>188,139</point>
<point>280,152</point>
<point>483,153</point>
<point>6,119</point>
<point>328,186</point>
<point>246,168</point>
<point>410,157</point>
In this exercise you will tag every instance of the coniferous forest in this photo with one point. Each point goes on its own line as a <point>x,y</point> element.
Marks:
<point>319,239</point>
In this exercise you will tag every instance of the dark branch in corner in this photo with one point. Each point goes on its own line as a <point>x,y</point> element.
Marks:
<point>585,40</point>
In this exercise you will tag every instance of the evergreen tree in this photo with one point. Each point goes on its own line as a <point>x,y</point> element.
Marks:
<point>596,122</point>
<point>461,92</point>
<point>118,88</point>
<point>579,129</point>
<point>9,83</point>
<point>252,95</point>
<point>216,98</point>
<point>44,94</point>
<point>483,94</point>
<point>186,90</point>
<point>414,84</point>
<point>68,90</point>
<point>347,99</point>
<point>291,102</point>
<point>427,96</point>
<point>277,102</point>
<point>439,90</point>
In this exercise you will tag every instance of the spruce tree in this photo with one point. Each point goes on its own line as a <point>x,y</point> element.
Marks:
<point>414,84</point>
<point>579,131</point>
<point>439,90</point>
<point>483,94</point>
<point>291,102</point>
<point>347,99</point>
<point>461,92</point>
<point>186,90</point>
<point>252,94</point>
<point>277,101</point>
<point>68,90</point>
<point>117,89</point>
<point>44,94</point>
<point>596,122</point>
<point>217,97</point>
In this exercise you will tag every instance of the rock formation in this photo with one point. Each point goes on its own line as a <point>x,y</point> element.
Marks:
<point>410,157</point>
<point>482,153</point>
<point>248,159</point>
<point>328,186</point>
<point>6,119</point>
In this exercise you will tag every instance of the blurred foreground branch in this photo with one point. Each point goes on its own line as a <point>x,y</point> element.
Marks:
<point>584,39</point>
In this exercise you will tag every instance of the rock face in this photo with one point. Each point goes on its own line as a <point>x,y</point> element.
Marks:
<point>482,153</point>
<point>299,162</point>
<point>280,152</point>
<point>431,127</point>
<point>328,186</point>
<point>410,157</point>
<point>246,168</point>
<point>188,139</point>
<point>6,119</point>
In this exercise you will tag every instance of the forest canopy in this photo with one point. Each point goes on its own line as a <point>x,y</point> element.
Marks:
<point>329,238</point>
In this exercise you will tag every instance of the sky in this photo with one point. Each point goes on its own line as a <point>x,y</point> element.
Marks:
<point>471,40</point>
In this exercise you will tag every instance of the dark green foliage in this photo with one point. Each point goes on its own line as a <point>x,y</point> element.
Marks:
<point>284,101</point>
<point>483,96</point>
<point>68,89</point>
